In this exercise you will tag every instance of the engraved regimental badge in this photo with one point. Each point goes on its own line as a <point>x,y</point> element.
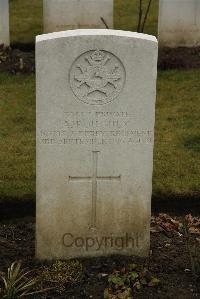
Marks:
<point>97,77</point>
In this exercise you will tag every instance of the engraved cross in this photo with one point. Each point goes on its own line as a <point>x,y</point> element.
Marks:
<point>94,180</point>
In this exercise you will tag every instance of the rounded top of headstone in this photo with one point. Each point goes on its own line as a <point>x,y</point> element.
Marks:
<point>95,32</point>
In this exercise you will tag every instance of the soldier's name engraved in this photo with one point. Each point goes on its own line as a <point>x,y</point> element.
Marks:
<point>96,124</point>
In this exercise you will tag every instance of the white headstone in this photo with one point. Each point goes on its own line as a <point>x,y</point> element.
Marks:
<point>96,94</point>
<point>179,23</point>
<point>62,15</point>
<point>4,22</point>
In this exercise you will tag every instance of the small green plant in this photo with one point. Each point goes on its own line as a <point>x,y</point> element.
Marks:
<point>17,283</point>
<point>60,274</point>
<point>132,277</point>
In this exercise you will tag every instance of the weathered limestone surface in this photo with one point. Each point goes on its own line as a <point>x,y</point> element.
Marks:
<point>4,22</point>
<point>62,15</point>
<point>179,23</point>
<point>96,94</point>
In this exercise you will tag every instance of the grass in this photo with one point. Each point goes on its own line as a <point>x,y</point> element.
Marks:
<point>177,142</point>
<point>126,15</point>
<point>26,18</point>
<point>17,135</point>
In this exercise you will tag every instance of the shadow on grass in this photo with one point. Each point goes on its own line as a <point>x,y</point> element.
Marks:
<point>193,143</point>
<point>24,47</point>
<point>177,204</point>
<point>13,207</point>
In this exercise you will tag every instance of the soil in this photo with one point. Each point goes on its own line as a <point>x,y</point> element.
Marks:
<point>15,61</point>
<point>169,262</point>
<point>179,58</point>
<point>21,59</point>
